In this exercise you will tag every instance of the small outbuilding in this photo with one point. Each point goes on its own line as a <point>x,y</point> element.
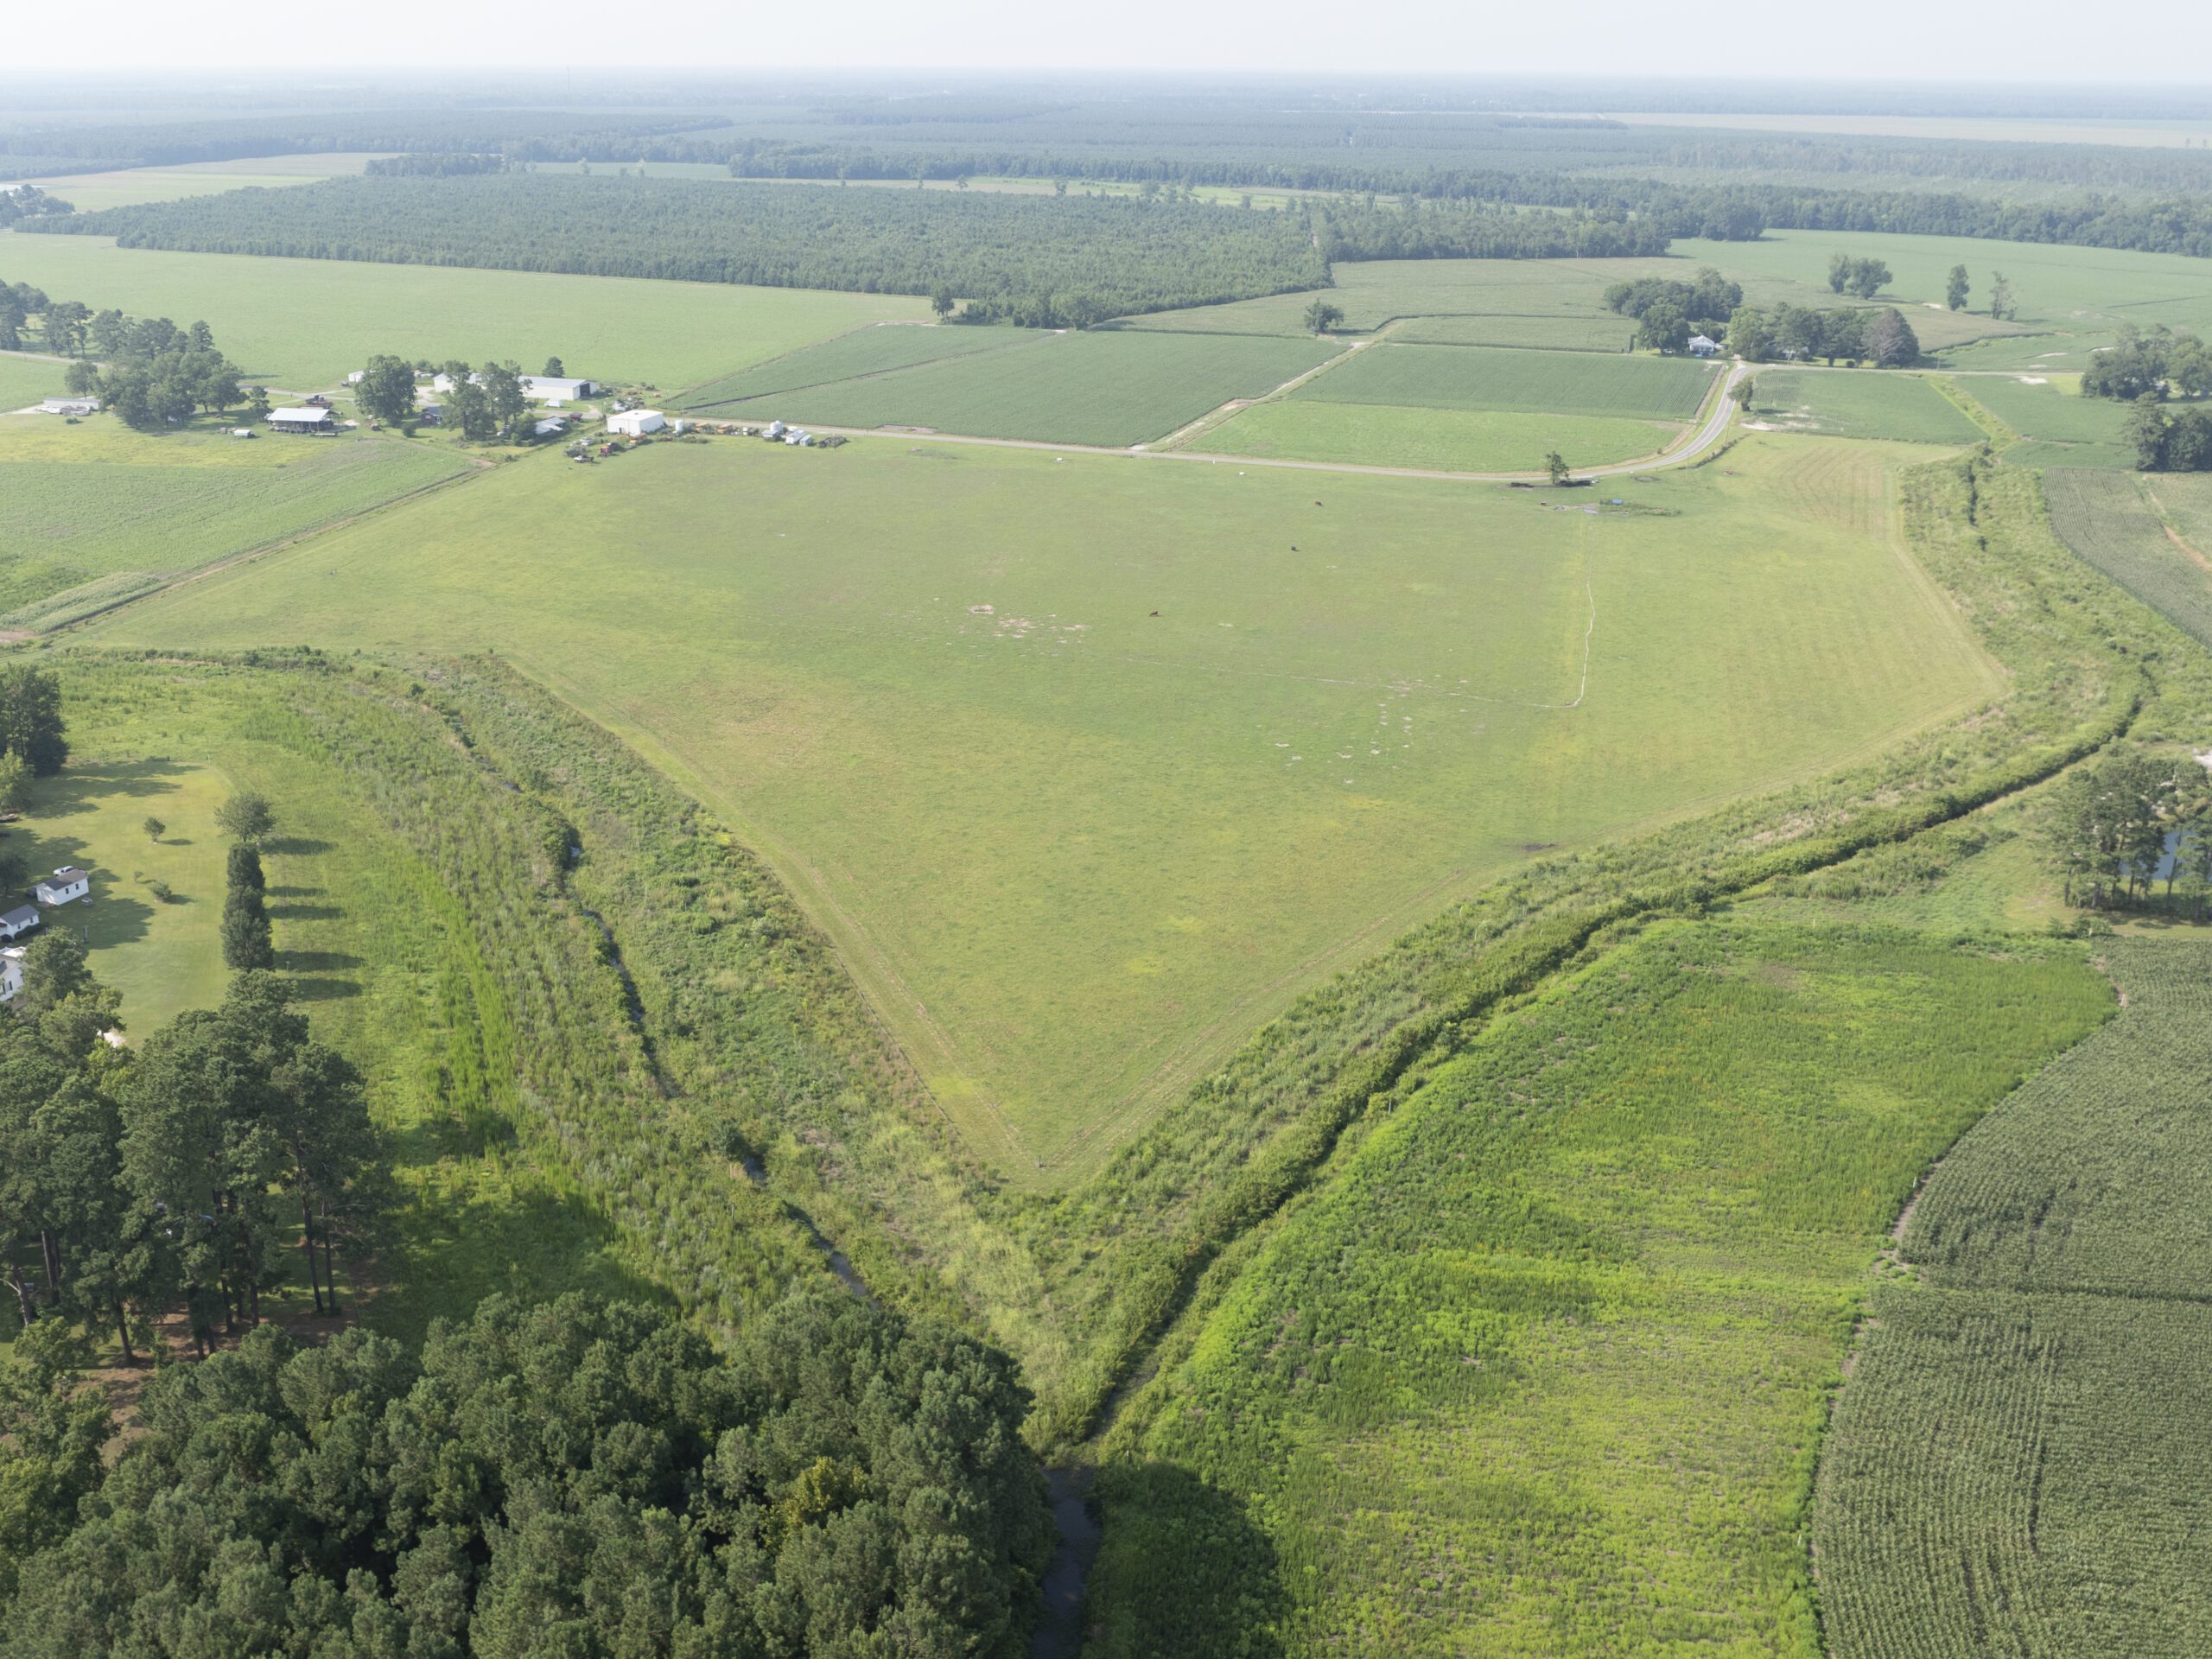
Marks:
<point>244,432</point>
<point>65,885</point>
<point>15,923</point>
<point>71,406</point>
<point>636,423</point>
<point>301,419</point>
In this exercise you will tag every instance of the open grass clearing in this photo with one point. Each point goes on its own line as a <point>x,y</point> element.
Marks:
<point>1432,439</point>
<point>25,378</point>
<point>1545,382</point>
<point>865,350</point>
<point>1854,404</point>
<point>92,510</point>
<point>2062,427</point>
<point>1540,1371</point>
<point>306,323</point>
<point>1067,844</point>
<point>90,192</point>
<point>1111,389</point>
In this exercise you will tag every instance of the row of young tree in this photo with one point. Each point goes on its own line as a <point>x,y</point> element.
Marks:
<point>2117,830</point>
<point>1839,334</point>
<point>2163,362</point>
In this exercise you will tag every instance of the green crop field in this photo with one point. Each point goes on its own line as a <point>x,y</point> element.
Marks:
<point>865,350</point>
<point>1372,292</point>
<point>90,510</point>
<point>1599,334</point>
<point>24,380</point>
<point>304,323</point>
<point>90,192</point>
<point>1549,382</point>
<point>1065,842</point>
<point>1114,388</point>
<point>1543,1369</point>
<point>1855,403</point>
<point>1434,440</point>
<point>2062,428</point>
<point>2131,527</point>
<point>2035,1399</point>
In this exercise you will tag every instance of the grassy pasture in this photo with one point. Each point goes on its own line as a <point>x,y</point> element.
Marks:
<point>90,510</point>
<point>1113,389</point>
<point>2137,531</point>
<point>124,188</point>
<point>24,380</point>
<point>1066,844</point>
<point>1541,1372</point>
<point>1854,404</point>
<point>865,350</point>
<point>2036,1398</point>
<point>304,323</point>
<point>1434,439</point>
<point>1537,383</point>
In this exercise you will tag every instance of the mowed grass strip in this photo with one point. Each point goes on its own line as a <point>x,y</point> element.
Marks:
<point>99,499</point>
<point>1541,383</point>
<point>1431,440</point>
<point>1068,844</point>
<point>1540,1371</point>
<point>865,350</point>
<point>1111,389</point>
<point>1856,403</point>
<point>303,324</point>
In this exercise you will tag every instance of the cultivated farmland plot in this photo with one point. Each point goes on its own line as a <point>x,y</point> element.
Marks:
<point>1858,404</point>
<point>1111,388</point>
<point>2062,428</point>
<point>864,351</point>
<point>1430,440</point>
<point>1554,383</point>
<point>2018,1462</point>
<point>306,323</point>
<point>25,378</point>
<point>897,646</point>
<point>2129,527</point>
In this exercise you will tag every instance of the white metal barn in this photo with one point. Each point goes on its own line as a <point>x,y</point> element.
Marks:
<point>636,423</point>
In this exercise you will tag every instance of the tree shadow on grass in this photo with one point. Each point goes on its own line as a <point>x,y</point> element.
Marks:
<point>77,788</point>
<point>321,987</point>
<point>1185,1571</point>
<point>305,912</point>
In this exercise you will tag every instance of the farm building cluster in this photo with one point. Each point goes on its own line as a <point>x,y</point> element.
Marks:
<point>66,885</point>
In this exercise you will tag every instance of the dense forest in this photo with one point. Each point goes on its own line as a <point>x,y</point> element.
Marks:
<point>1132,256</point>
<point>578,1478</point>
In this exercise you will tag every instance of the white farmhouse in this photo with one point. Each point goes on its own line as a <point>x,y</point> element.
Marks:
<point>1703,346</point>
<point>65,884</point>
<point>15,923</point>
<point>636,423</point>
<point>11,973</point>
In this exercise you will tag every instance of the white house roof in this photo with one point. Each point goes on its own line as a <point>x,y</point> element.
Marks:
<point>21,917</point>
<point>549,386</point>
<point>306,417</point>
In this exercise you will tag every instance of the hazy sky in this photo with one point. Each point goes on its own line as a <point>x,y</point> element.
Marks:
<point>2028,39</point>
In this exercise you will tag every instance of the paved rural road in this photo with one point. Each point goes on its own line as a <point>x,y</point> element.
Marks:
<point>1716,423</point>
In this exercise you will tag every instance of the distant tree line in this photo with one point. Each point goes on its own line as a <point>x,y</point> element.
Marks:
<point>2163,362</point>
<point>169,143</point>
<point>434,164</point>
<point>579,1479</point>
<point>1128,256</point>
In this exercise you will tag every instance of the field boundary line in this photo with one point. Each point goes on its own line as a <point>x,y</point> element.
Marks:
<point>869,374</point>
<point>1223,414</point>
